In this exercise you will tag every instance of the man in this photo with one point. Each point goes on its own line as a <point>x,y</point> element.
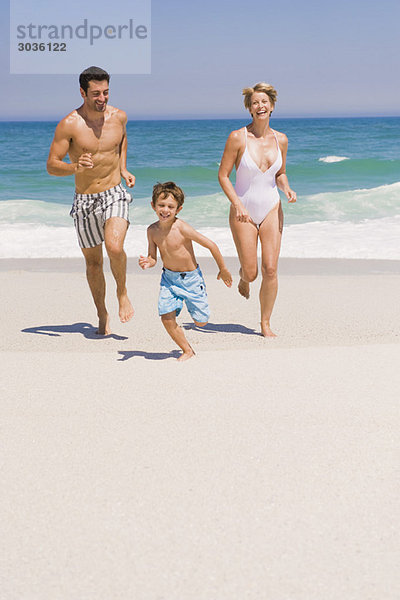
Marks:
<point>94,136</point>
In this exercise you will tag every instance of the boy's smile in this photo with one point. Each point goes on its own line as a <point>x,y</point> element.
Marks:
<point>166,208</point>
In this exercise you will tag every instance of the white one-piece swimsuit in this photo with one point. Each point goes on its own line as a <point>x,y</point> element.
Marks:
<point>257,189</point>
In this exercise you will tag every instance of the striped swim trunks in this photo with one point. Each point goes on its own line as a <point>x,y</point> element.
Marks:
<point>91,211</point>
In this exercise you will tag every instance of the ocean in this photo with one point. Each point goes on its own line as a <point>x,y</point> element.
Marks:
<point>346,172</point>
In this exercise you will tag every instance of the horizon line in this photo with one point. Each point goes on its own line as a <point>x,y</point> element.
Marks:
<point>27,119</point>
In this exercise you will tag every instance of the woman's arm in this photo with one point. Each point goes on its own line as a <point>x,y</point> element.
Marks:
<point>232,148</point>
<point>281,178</point>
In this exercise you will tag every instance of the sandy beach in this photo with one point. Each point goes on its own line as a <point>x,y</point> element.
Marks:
<point>260,469</point>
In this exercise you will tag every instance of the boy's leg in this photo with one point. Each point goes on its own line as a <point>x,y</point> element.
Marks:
<point>196,299</point>
<point>115,230</point>
<point>97,284</point>
<point>176,332</point>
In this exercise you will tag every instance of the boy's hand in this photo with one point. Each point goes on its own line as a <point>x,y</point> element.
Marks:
<point>146,262</point>
<point>225,276</point>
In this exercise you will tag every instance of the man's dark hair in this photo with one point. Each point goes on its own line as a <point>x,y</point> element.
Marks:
<point>162,190</point>
<point>92,74</point>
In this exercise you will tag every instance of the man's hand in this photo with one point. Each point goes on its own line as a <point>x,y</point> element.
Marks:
<point>226,277</point>
<point>85,161</point>
<point>129,178</point>
<point>146,262</point>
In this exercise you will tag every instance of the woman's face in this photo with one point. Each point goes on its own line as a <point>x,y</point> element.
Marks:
<point>260,106</point>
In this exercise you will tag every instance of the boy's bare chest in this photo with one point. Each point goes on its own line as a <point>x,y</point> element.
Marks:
<point>170,243</point>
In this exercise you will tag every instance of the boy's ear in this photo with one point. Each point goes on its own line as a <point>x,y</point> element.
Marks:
<point>179,209</point>
<point>153,206</point>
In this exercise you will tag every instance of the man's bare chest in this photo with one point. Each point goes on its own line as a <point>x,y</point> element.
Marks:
<point>97,139</point>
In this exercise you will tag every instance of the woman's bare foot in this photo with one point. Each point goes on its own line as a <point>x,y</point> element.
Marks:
<point>186,355</point>
<point>244,289</point>
<point>266,330</point>
<point>125,308</point>
<point>104,325</point>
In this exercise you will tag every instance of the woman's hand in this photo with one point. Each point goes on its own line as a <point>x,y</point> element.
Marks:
<point>291,195</point>
<point>241,214</point>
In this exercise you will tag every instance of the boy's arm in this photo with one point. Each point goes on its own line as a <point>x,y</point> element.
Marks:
<point>204,241</point>
<point>146,262</point>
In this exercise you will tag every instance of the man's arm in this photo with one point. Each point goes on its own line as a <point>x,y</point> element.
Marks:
<point>129,178</point>
<point>146,262</point>
<point>204,241</point>
<point>58,151</point>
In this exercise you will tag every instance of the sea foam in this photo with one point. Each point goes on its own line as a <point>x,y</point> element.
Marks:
<point>373,238</point>
<point>333,159</point>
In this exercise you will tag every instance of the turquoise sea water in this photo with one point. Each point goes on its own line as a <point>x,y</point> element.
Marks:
<point>346,173</point>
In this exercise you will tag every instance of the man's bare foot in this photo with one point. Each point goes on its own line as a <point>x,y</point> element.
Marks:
<point>244,289</point>
<point>125,308</point>
<point>186,355</point>
<point>104,325</point>
<point>266,330</point>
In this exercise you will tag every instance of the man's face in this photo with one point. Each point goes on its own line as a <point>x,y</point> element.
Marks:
<point>96,97</point>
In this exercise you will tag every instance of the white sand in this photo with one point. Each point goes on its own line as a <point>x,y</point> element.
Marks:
<point>257,470</point>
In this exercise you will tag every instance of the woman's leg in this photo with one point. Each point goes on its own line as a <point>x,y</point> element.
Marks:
<point>245,236</point>
<point>270,233</point>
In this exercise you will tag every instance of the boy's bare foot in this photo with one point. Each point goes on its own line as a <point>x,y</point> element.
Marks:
<point>104,325</point>
<point>186,355</point>
<point>266,330</point>
<point>125,308</point>
<point>244,289</point>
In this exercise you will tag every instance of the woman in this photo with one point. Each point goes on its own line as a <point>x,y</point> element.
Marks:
<point>259,155</point>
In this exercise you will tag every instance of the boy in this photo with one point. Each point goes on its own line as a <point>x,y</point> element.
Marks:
<point>181,279</point>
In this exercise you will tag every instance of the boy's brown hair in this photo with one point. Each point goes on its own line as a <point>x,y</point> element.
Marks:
<point>165,189</point>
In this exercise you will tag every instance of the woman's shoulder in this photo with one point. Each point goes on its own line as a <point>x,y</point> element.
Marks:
<point>236,137</point>
<point>282,137</point>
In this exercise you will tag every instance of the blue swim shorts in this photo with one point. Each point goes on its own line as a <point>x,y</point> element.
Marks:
<point>177,287</point>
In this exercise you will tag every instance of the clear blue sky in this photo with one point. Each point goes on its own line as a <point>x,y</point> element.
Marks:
<point>325,58</point>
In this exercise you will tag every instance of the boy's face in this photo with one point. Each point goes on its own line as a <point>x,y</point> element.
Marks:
<point>166,208</point>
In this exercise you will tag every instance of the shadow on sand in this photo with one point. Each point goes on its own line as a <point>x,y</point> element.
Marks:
<point>222,328</point>
<point>85,329</point>
<point>126,355</point>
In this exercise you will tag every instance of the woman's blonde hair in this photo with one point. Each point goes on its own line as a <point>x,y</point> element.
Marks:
<point>260,87</point>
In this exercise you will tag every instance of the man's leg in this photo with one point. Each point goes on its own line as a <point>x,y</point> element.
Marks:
<point>114,236</point>
<point>97,284</point>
